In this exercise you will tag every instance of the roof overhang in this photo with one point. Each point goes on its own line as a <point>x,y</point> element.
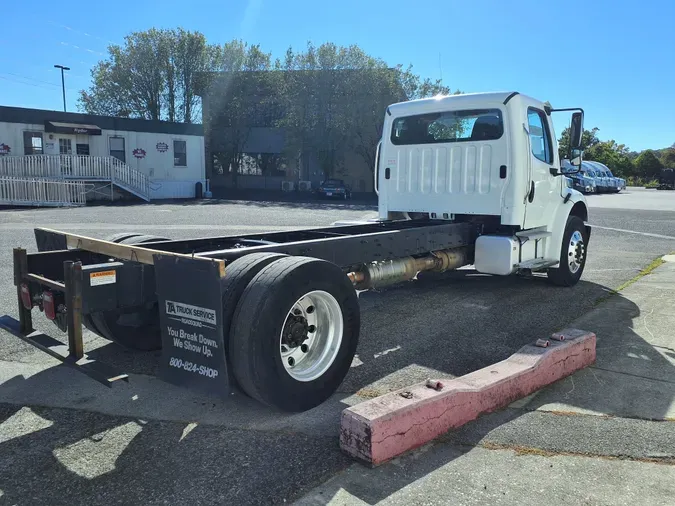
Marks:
<point>58,127</point>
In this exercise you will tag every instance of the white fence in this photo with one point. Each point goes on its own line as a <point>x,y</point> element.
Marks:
<point>85,167</point>
<point>41,192</point>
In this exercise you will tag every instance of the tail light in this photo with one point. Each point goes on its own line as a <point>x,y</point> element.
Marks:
<point>25,296</point>
<point>48,305</point>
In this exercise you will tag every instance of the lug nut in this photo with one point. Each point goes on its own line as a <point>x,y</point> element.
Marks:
<point>311,329</point>
<point>304,348</point>
<point>297,312</point>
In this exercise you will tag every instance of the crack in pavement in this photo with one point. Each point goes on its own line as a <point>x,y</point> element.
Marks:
<point>529,450</point>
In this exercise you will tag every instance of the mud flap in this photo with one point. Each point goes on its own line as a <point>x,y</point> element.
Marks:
<point>191,319</point>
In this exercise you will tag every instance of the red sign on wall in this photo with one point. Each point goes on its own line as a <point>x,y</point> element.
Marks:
<point>5,149</point>
<point>139,153</point>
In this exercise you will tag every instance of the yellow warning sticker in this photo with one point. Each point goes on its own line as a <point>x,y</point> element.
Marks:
<point>102,278</point>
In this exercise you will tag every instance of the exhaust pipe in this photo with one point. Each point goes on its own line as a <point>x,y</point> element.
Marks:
<point>390,272</point>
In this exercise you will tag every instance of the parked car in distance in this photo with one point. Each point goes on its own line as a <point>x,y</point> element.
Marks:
<point>581,181</point>
<point>667,179</point>
<point>334,188</point>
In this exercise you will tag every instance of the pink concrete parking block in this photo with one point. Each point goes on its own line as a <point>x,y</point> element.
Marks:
<point>387,426</point>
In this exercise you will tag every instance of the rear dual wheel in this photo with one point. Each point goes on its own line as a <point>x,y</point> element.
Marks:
<point>294,333</point>
<point>136,328</point>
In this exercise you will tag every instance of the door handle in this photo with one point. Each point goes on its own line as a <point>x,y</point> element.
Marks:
<point>387,173</point>
<point>376,169</point>
<point>530,196</point>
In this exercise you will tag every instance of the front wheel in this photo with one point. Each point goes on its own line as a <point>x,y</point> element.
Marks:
<point>294,333</point>
<point>572,254</point>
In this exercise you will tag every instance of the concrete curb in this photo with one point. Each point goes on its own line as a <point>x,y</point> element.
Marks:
<point>382,428</point>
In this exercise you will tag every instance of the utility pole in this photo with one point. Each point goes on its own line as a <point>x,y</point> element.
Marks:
<point>63,84</point>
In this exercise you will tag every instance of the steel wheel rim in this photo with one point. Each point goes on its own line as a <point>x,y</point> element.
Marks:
<point>575,252</point>
<point>309,358</point>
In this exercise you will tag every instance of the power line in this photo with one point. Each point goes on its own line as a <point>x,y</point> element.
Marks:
<point>25,83</point>
<point>29,78</point>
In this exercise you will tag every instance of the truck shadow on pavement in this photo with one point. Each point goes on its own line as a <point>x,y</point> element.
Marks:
<point>239,452</point>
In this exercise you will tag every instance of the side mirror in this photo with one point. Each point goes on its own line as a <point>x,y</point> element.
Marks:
<point>575,157</point>
<point>576,130</point>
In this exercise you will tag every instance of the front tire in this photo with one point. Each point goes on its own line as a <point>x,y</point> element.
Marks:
<point>572,254</point>
<point>294,333</point>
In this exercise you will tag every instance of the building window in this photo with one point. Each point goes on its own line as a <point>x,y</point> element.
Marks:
<point>32,143</point>
<point>117,149</point>
<point>179,154</point>
<point>540,138</point>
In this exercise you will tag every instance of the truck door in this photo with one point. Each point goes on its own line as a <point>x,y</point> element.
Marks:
<point>543,186</point>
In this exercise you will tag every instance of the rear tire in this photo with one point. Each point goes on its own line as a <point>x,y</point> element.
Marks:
<point>573,254</point>
<point>264,322</point>
<point>136,328</point>
<point>87,320</point>
<point>238,275</point>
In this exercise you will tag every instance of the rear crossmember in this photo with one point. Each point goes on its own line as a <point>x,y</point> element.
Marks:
<point>72,277</point>
<point>70,291</point>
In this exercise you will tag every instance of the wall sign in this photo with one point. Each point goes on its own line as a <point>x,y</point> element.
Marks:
<point>5,149</point>
<point>162,147</point>
<point>139,153</point>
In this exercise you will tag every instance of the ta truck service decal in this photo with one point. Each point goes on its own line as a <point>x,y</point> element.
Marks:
<point>191,315</point>
<point>191,319</point>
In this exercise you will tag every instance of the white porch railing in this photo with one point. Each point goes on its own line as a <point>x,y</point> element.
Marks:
<point>83,167</point>
<point>41,192</point>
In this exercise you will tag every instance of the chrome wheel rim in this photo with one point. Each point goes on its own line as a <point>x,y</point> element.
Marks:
<point>576,252</point>
<point>311,336</point>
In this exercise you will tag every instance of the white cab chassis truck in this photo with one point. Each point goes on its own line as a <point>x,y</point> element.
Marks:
<point>462,180</point>
<point>492,159</point>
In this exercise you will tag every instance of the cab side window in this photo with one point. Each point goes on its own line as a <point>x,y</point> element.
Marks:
<point>540,137</point>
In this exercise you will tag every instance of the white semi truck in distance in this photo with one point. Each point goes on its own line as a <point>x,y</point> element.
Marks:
<point>461,180</point>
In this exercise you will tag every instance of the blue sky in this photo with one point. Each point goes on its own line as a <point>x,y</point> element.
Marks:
<point>614,59</point>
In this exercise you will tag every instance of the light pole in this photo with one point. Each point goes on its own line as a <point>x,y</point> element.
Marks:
<point>63,83</point>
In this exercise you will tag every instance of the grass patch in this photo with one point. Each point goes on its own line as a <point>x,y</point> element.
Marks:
<point>657,262</point>
<point>369,393</point>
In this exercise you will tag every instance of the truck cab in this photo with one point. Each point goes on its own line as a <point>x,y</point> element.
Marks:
<point>489,158</point>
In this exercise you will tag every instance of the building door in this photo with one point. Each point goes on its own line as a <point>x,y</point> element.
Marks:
<point>118,149</point>
<point>66,148</point>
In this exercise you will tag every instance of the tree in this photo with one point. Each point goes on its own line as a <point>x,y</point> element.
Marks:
<point>235,97</point>
<point>648,165</point>
<point>334,100</point>
<point>151,76</point>
<point>667,157</point>
<point>588,140</point>
<point>613,155</point>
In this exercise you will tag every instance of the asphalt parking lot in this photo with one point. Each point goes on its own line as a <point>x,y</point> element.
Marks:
<point>65,439</point>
